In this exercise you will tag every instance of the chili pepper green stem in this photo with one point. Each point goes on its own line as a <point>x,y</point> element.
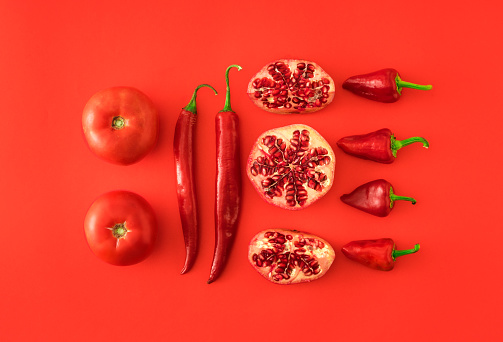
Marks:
<point>403,84</point>
<point>402,198</point>
<point>191,107</point>
<point>398,144</point>
<point>227,106</point>
<point>397,254</point>
<point>394,198</point>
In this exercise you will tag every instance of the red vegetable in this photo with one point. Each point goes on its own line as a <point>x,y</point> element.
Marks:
<point>120,125</point>
<point>383,85</point>
<point>377,254</point>
<point>121,228</point>
<point>183,147</point>
<point>376,197</point>
<point>228,183</point>
<point>380,146</point>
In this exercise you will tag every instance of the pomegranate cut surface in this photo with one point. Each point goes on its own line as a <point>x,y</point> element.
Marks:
<point>291,167</point>
<point>291,86</point>
<point>289,256</point>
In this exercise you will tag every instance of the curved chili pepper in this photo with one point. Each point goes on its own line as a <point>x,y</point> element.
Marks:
<point>228,183</point>
<point>379,146</point>
<point>376,197</point>
<point>378,254</point>
<point>183,146</point>
<point>383,85</point>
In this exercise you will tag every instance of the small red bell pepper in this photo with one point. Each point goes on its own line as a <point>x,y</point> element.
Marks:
<point>378,254</point>
<point>383,85</point>
<point>376,197</point>
<point>379,146</point>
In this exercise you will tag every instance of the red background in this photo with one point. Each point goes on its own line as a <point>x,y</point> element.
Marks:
<point>56,54</point>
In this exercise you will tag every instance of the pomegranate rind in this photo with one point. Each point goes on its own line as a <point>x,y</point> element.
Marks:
<point>322,171</point>
<point>306,263</point>
<point>287,94</point>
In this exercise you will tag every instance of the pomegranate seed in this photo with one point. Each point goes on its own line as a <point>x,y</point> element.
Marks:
<point>301,66</point>
<point>277,277</point>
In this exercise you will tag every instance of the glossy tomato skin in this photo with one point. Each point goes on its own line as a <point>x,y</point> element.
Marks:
<point>121,207</point>
<point>138,131</point>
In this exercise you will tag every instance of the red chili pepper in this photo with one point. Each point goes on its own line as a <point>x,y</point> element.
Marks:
<point>379,146</point>
<point>228,183</point>
<point>376,197</point>
<point>383,85</point>
<point>183,147</point>
<point>379,254</point>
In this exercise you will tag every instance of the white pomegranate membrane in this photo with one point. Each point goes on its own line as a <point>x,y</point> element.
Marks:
<point>291,167</point>
<point>291,86</point>
<point>289,256</point>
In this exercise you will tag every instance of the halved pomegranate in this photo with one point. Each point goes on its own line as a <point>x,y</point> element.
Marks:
<point>289,256</point>
<point>292,166</point>
<point>291,86</point>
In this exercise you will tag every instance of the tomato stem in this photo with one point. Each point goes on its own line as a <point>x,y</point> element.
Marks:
<point>118,122</point>
<point>119,230</point>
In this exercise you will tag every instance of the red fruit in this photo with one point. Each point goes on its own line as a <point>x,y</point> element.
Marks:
<point>292,166</point>
<point>289,256</point>
<point>290,86</point>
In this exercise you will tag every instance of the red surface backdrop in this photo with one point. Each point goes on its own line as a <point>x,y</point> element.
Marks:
<point>56,54</point>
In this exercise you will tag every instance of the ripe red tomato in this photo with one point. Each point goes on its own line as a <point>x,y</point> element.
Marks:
<point>120,125</point>
<point>121,228</point>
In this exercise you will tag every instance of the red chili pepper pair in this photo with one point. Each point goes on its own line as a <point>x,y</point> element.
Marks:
<point>228,180</point>
<point>383,85</point>
<point>378,254</point>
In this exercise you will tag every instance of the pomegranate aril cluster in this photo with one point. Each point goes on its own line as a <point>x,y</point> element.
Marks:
<point>290,169</point>
<point>287,89</point>
<point>285,255</point>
